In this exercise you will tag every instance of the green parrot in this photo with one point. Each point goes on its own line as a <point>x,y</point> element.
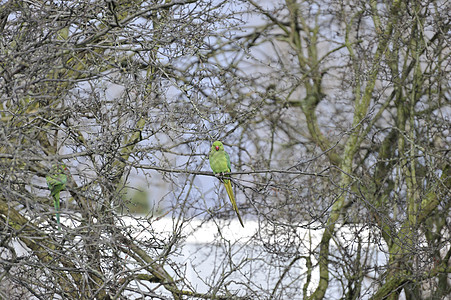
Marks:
<point>56,182</point>
<point>220,164</point>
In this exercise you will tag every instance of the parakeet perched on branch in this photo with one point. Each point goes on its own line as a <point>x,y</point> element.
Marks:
<point>56,182</point>
<point>220,164</point>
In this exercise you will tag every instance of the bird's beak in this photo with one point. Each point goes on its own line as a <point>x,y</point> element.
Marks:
<point>217,148</point>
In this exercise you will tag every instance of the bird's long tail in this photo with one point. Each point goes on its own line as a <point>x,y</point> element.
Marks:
<point>228,186</point>
<point>56,202</point>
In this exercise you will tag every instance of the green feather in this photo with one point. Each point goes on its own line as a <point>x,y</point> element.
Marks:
<point>56,183</point>
<point>220,164</point>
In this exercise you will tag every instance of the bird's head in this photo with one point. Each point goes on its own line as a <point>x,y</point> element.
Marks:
<point>217,145</point>
<point>59,168</point>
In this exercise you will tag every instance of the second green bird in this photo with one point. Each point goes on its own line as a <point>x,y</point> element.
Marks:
<point>220,164</point>
<point>56,182</point>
